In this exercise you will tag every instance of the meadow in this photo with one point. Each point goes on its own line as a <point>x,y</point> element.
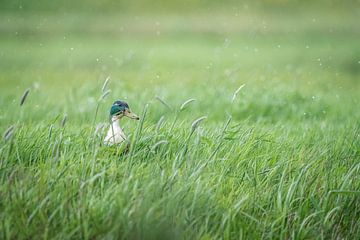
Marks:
<point>277,156</point>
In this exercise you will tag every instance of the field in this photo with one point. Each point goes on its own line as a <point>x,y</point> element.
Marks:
<point>277,157</point>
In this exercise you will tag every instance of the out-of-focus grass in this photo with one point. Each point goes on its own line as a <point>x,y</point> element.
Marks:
<point>286,166</point>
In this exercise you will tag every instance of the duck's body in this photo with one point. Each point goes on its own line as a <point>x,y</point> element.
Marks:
<point>115,134</point>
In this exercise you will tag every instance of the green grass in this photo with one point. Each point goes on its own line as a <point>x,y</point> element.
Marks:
<point>280,162</point>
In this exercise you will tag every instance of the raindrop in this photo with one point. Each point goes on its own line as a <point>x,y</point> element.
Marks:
<point>36,85</point>
<point>226,43</point>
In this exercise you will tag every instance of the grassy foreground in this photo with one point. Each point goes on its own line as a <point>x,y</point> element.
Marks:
<point>280,160</point>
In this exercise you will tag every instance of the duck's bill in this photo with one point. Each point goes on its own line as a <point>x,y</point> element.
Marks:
<point>131,115</point>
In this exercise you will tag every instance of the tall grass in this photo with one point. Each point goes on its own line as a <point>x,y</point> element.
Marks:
<point>277,159</point>
<point>247,180</point>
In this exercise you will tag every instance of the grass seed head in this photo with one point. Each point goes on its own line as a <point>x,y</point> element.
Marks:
<point>160,123</point>
<point>163,102</point>
<point>24,96</point>
<point>186,103</point>
<point>156,145</point>
<point>50,131</point>
<point>196,123</point>
<point>104,95</point>
<point>63,122</point>
<point>236,92</point>
<point>105,84</point>
<point>8,133</point>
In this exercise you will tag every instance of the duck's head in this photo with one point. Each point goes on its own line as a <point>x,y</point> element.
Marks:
<point>120,109</point>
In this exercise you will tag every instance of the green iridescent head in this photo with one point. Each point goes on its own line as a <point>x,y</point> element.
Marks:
<point>120,109</point>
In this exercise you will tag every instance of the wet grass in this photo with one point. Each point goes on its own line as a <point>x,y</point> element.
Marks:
<point>279,161</point>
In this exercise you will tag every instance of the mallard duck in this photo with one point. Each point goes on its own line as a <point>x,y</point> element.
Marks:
<point>115,134</point>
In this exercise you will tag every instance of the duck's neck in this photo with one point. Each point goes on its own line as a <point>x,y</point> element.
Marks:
<point>115,133</point>
<point>115,125</point>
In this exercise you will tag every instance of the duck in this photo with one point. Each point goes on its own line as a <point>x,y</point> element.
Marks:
<point>115,134</point>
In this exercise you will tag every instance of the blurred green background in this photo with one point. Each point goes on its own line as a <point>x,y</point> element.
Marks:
<point>305,51</point>
<point>167,6</point>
